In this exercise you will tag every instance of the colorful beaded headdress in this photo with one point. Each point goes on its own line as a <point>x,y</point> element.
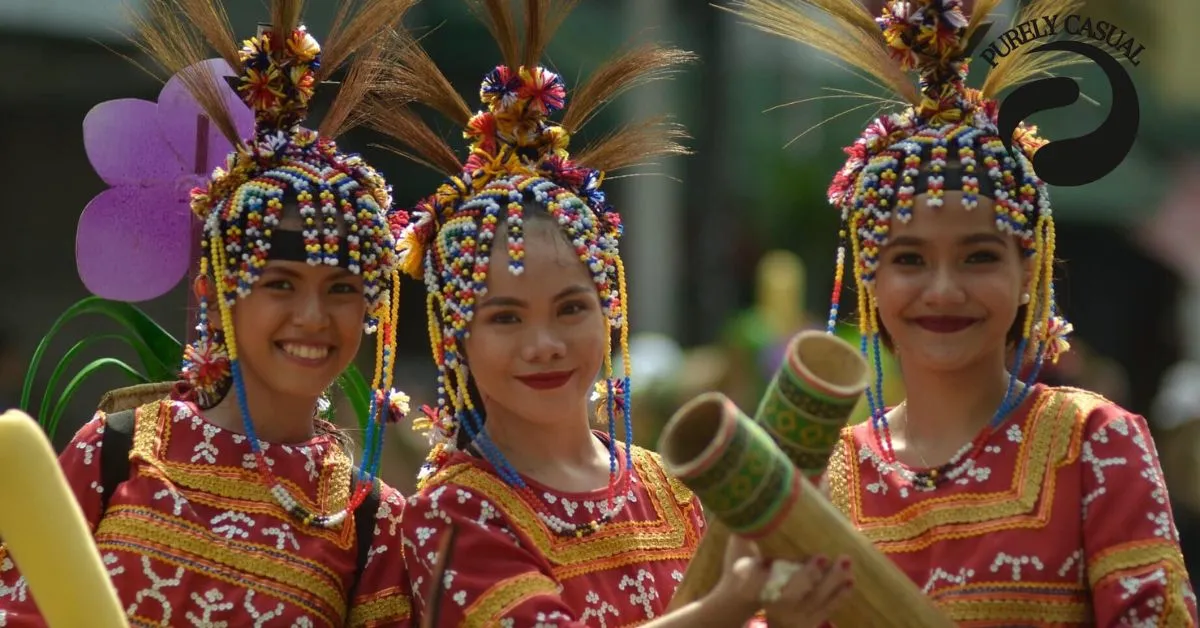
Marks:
<point>343,202</point>
<point>518,157</point>
<point>945,138</point>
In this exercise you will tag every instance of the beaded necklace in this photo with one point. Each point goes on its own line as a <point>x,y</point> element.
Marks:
<point>609,509</point>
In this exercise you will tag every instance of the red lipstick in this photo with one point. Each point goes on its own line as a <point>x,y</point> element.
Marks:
<point>944,324</point>
<point>547,381</point>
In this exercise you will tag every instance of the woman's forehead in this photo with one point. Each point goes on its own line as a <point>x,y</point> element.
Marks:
<point>952,217</point>
<point>550,263</point>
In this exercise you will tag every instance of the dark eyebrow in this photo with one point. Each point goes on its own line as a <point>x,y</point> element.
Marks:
<point>515,302</point>
<point>906,241</point>
<point>571,291</point>
<point>501,302</point>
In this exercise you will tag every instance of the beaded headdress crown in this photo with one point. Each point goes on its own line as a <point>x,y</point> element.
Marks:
<point>344,204</point>
<point>518,156</point>
<point>945,137</point>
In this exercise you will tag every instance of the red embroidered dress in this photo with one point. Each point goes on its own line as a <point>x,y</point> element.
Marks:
<point>193,538</point>
<point>1061,520</point>
<point>510,570</point>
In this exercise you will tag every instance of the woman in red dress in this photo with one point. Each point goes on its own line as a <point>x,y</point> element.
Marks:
<point>1010,502</point>
<point>240,505</point>
<point>557,524</point>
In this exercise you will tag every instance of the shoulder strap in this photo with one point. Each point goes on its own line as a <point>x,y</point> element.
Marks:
<point>115,445</point>
<point>364,531</point>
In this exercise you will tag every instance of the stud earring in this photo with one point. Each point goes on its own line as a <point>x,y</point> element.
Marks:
<point>1025,299</point>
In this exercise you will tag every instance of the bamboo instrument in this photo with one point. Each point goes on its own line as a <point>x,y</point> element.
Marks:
<point>808,402</point>
<point>737,471</point>
<point>46,535</point>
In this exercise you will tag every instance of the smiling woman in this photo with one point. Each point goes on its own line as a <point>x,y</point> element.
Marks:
<point>536,346</point>
<point>1008,501</point>
<point>233,501</point>
<point>519,253</point>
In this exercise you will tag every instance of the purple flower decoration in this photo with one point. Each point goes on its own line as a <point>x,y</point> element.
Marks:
<point>135,239</point>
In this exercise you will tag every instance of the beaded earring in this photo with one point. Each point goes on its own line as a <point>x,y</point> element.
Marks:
<point>343,203</point>
<point>518,158</point>
<point>945,137</point>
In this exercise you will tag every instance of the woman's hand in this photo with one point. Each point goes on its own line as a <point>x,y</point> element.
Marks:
<point>793,594</point>
<point>800,595</point>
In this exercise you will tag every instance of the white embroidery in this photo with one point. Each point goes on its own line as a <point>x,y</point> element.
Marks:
<point>644,594</point>
<point>95,486</point>
<point>418,590</point>
<point>963,576</point>
<point>112,563</point>
<point>1152,473</point>
<point>1163,526</point>
<point>231,529</point>
<point>597,609</point>
<point>1099,464</point>
<point>88,450</point>
<point>373,552</point>
<point>206,450</point>
<point>435,512</point>
<point>303,622</point>
<point>178,499</point>
<point>210,603</point>
<point>883,468</point>
<point>1156,605</point>
<point>460,598</point>
<point>1131,585</point>
<point>1016,562</point>
<point>424,533</point>
<point>310,464</point>
<point>389,512</point>
<point>1014,433</point>
<point>250,460</point>
<point>677,576</point>
<point>283,535</point>
<point>1074,560</point>
<point>487,512</point>
<point>157,584</point>
<point>543,620</point>
<point>19,590</point>
<point>260,618</point>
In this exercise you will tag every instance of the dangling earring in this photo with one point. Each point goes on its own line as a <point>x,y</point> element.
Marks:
<point>206,367</point>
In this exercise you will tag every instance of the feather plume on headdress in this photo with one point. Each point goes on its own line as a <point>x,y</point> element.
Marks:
<point>519,156</point>
<point>944,136</point>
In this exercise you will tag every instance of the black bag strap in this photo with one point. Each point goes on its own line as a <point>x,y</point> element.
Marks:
<point>115,446</point>
<point>117,442</point>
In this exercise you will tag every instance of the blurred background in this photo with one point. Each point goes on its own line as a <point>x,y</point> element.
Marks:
<point>730,251</point>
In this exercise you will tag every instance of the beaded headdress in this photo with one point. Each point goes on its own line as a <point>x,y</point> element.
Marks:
<point>518,157</point>
<point>946,137</point>
<point>343,202</point>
